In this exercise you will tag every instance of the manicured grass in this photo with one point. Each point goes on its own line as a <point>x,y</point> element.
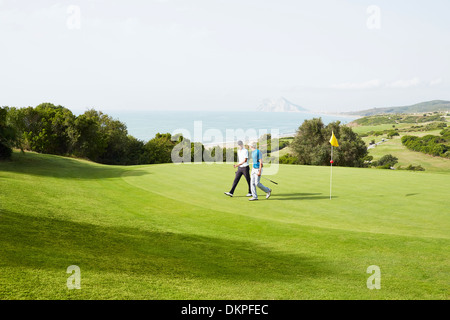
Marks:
<point>168,232</point>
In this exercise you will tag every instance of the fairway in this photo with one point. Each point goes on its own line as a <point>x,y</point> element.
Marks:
<point>407,157</point>
<point>168,232</point>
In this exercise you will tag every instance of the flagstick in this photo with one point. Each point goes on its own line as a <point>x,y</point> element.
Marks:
<point>331,175</point>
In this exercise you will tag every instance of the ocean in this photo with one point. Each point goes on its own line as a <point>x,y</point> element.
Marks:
<point>212,127</point>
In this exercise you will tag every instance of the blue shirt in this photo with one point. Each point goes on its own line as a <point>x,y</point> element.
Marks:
<point>256,156</point>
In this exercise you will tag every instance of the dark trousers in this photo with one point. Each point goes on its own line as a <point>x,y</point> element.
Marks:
<point>241,171</point>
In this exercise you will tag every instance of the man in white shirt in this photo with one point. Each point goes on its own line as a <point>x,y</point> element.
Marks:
<point>243,169</point>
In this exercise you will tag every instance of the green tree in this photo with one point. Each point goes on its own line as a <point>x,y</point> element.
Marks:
<point>89,140</point>
<point>135,151</point>
<point>159,149</point>
<point>307,144</point>
<point>46,128</point>
<point>311,144</point>
<point>7,135</point>
<point>116,136</point>
<point>56,129</point>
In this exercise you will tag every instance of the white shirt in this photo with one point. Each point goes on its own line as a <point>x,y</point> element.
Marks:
<point>242,155</point>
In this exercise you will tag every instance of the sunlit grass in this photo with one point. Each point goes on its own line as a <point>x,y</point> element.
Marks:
<point>169,232</point>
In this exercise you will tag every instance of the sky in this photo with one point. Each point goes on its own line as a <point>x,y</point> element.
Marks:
<point>324,55</point>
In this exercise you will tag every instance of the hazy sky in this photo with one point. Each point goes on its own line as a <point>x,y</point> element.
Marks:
<point>325,55</point>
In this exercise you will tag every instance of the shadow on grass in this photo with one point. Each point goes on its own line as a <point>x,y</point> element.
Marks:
<point>45,243</point>
<point>62,167</point>
<point>300,196</point>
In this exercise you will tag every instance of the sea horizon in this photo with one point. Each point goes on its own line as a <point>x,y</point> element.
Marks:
<point>144,125</point>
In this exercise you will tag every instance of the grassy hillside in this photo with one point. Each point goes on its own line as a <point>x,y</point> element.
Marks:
<point>429,106</point>
<point>407,157</point>
<point>168,232</point>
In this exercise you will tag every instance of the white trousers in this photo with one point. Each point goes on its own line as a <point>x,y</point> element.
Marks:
<point>255,182</point>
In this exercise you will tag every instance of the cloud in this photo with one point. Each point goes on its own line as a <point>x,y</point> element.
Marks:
<point>374,84</point>
<point>436,82</point>
<point>403,84</point>
<point>357,85</point>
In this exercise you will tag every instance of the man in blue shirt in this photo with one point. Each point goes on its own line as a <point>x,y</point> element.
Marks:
<point>256,174</point>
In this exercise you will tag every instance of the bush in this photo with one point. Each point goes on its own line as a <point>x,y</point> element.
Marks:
<point>283,144</point>
<point>415,168</point>
<point>429,144</point>
<point>393,133</point>
<point>446,134</point>
<point>388,161</point>
<point>288,159</point>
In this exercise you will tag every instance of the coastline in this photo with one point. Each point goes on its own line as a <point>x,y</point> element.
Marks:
<point>146,125</point>
<point>233,144</point>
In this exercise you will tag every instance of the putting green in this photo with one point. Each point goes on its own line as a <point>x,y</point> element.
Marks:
<point>168,232</point>
<point>378,201</point>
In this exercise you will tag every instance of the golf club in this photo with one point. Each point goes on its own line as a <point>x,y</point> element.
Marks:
<point>266,179</point>
<point>269,180</point>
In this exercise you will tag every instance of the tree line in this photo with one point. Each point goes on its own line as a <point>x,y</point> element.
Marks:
<point>98,137</point>
<point>92,135</point>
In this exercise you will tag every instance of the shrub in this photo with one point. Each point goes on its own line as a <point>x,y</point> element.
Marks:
<point>446,134</point>
<point>392,133</point>
<point>289,159</point>
<point>387,160</point>
<point>415,168</point>
<point>429,144</point>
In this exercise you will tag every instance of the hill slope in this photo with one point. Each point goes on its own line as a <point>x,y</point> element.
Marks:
<point>168,232</point>
<point>429,106</point>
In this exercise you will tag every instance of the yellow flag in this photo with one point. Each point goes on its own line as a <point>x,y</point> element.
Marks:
<point>334,141</point>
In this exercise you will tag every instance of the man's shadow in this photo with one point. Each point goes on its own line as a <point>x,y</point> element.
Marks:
<point>300,196</point>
